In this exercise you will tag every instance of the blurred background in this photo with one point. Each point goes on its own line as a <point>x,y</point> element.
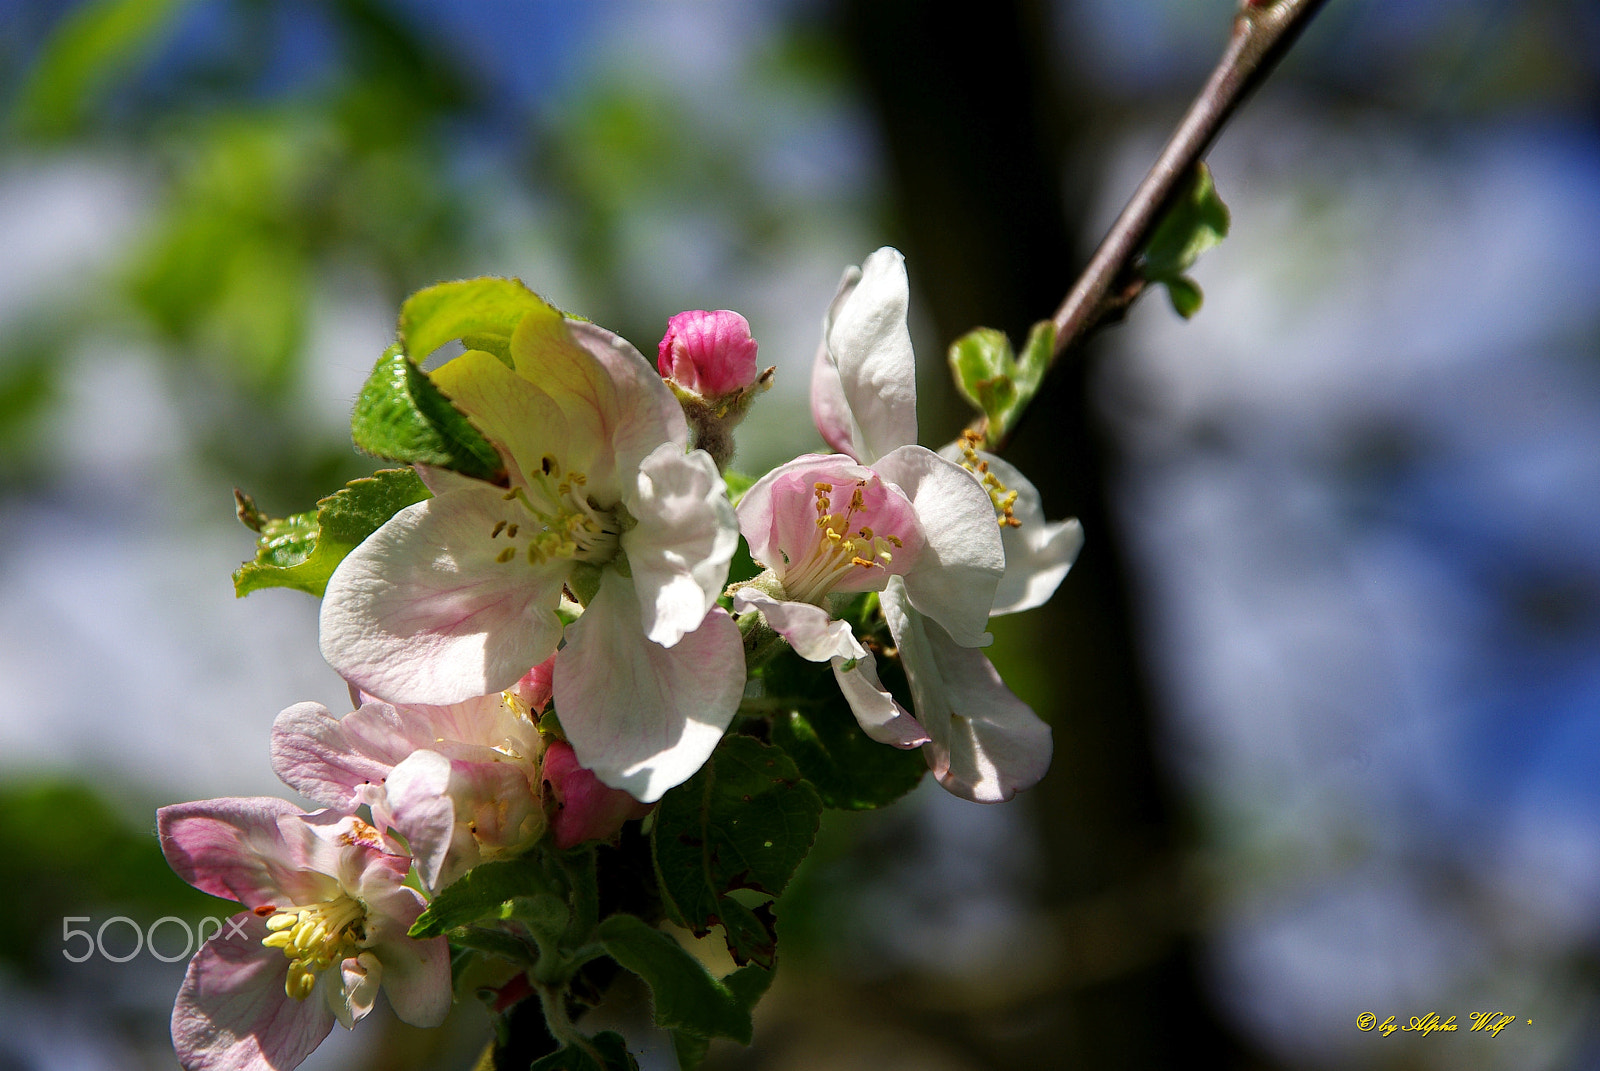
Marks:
<point>1325,683</point>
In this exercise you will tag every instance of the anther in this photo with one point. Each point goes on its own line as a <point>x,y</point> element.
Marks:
<point>507,554</point>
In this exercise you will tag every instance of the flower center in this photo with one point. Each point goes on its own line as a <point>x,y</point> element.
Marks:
<point>1000,496</point>
<point>843,545</point>
<point>314,938</point>
<point>561,520</point>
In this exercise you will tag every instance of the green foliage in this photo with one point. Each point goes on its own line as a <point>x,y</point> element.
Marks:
<point>525,888</point>
<point>95,43</point>
<point>998,383</point>
<point>481,312</point>
<point>744,821</point>
<point>302,551</point>
<point>813,723</point>
<point>687,997</point>
<point>400,415</point>
<point>1196,221</point>
<point>610,1046</point>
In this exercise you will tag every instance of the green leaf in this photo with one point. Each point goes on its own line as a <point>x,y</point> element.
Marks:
<point>738,483</point>
<point>687,997</point>
<point>815,726</point>
<point>1196,221</point>
<point>998,383</point>
<point>96,43</point>
<point>744,821</point>
<point>301,551</point>
<point>402,416</point>
<point>492,942</point>
<point>481,312</point>
<point>752,933</point>
<point>493,889</point>
<point>690,1049</point>
<point>610,1045</point>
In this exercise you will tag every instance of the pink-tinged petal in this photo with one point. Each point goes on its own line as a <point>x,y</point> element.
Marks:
<point>955,577</point>
<point>317,754</point>
<point>416,974</point>
<point>511,411</point>
<point>585,808</point>
<point>1038,553</point>
<point>710,353</point>
<point>879,716</point>
<point>439,481</point>
<point>234,848</point>
<point>353,998</point>
<point>232,1013</point>
<point>780,515</point>
<point>456,814</point>
<point>871,346</point>
<point>829,409</point>
<point>686,534</point>
<point>354,854</point>
<point>814,635</point>
<point>987,745</point>
<point>536,685</point>
<point>645,717</point>
<point>611,397</point>
<point>424,612</point>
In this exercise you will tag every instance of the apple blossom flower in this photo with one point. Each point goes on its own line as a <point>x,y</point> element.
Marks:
<point>986,743</point>
<point>459,782</point>
<point>324,926</point>
<point>456,596</point>
<point>826,524</point>
<point>584,808</point>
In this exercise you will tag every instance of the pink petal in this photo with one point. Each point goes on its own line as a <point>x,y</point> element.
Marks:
<point>424,612</point>
<point>710,353</point>
<point>536,685</point>
<point>317,754</point>
<point>234,848</point>
<point>829,410</point>
<point>585,808</point>
<point>454,814</point>
<point>645,717</point>
<point>232,1013</point>
<point>416,974</point>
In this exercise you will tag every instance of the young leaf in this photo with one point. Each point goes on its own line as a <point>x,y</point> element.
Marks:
<point>1196,221</point>
<point>687,997</point>
<point>481,312</point>
<point>610,1045</point>
<point>302,551</point>
<point>402,416</point>
<point>743,822</point>
<point>998,383</point>
<point>817,729</point>
<point>502,889</point>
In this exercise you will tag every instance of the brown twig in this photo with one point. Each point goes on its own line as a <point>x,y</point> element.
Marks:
<point>1263,31</point>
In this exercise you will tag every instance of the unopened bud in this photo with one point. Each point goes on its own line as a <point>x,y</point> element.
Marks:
<point>584,808</point>
<point>709,353</point>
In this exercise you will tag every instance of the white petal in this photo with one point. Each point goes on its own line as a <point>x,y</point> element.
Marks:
<point>419,805</point>
<point>645,717</point>
<point>422,612</point>
<point>757,515</point>
<point>987,744</point>
<point>813,634</point>
<point>871,346</point>
<point>1038,553</point>
<point>686,535</point>
<point>829,409</point>
<point>955,577</point>
<point>879,716</point>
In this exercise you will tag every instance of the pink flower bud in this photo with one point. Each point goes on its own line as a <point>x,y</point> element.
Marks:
<point>585,808</point>
<point>536,685</point>
<point>710,353</point>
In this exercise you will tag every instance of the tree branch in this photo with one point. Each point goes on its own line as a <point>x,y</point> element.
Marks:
<point>1263,31</point>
